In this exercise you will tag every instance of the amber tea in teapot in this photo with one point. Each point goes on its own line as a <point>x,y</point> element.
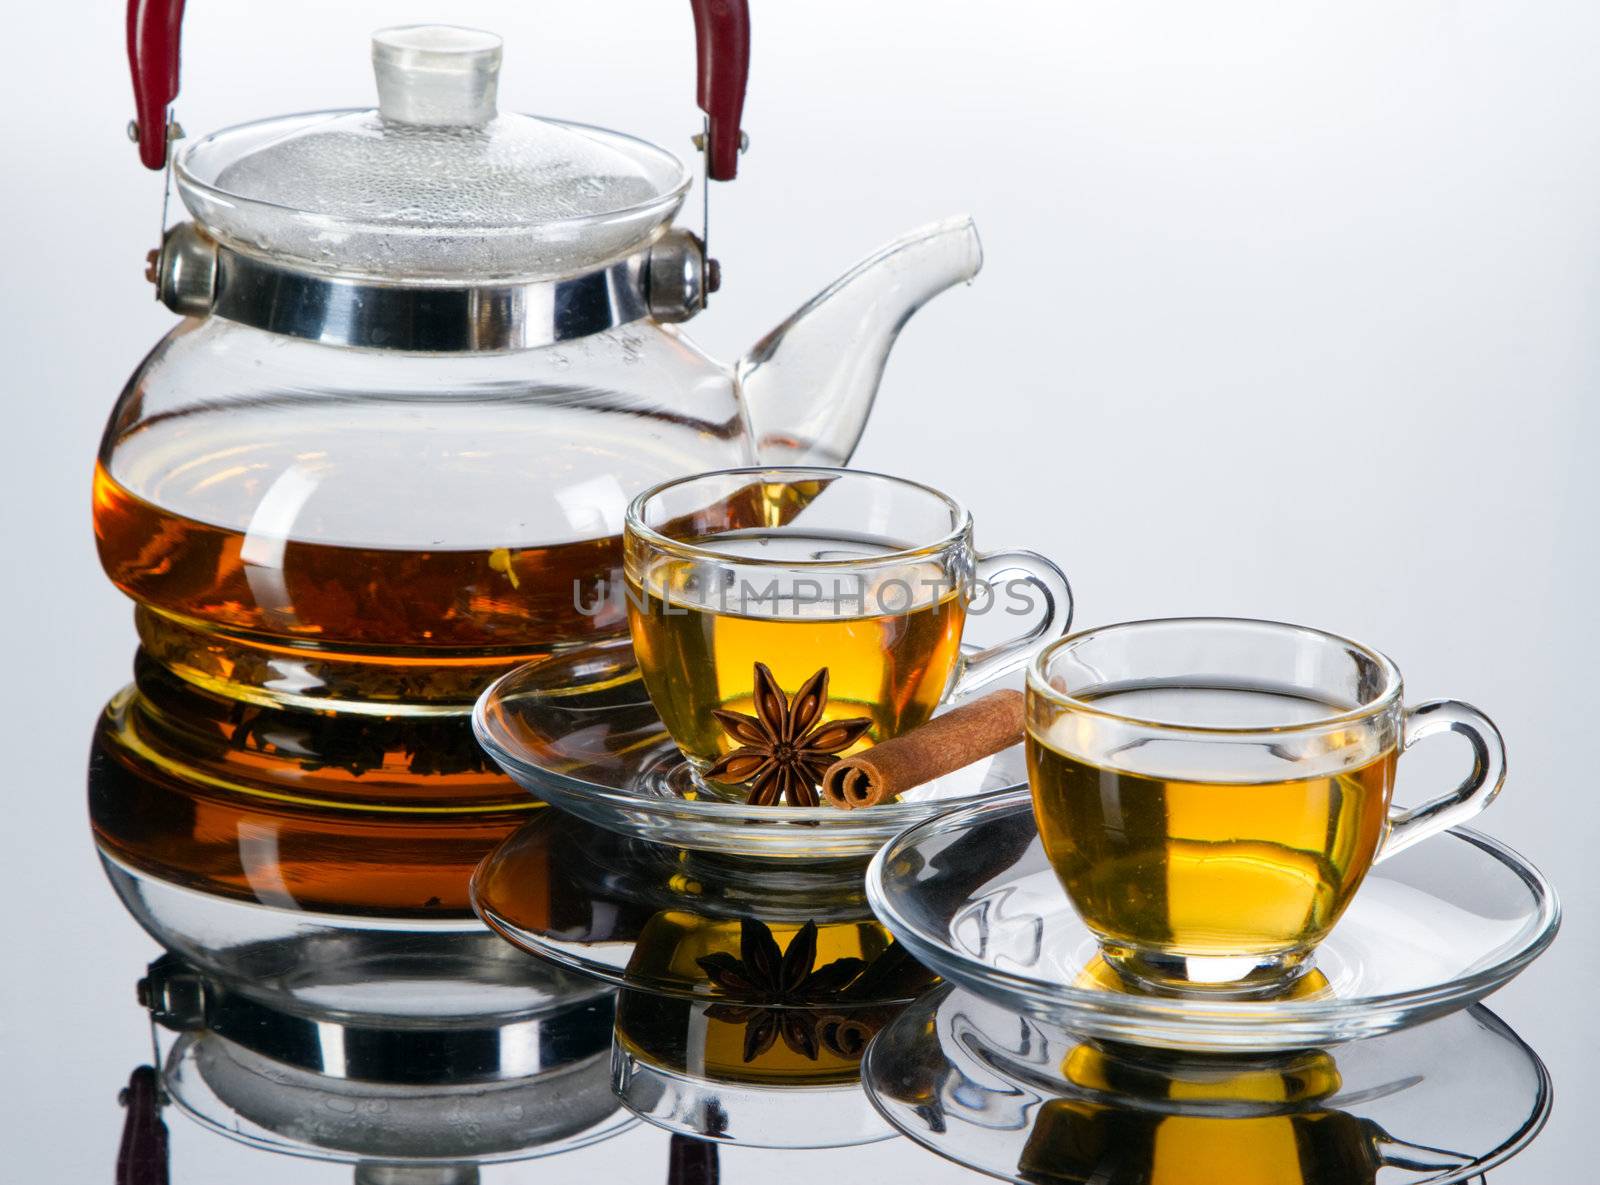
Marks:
<point>386,622</point>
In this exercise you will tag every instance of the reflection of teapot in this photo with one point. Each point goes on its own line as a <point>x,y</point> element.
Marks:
<point>1149,1116</point>
<point>429,353</point>
<point>390,1094</point>
<point>200,856</point>
<point>304,909</point>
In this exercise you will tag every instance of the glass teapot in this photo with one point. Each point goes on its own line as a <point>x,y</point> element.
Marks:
<point>429,353</point>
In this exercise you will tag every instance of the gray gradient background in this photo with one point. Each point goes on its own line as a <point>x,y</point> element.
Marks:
<point>1290,310</point>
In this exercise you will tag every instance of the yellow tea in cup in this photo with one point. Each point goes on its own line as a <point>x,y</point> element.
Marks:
<point>1211,792</point>
<point>871,579</point>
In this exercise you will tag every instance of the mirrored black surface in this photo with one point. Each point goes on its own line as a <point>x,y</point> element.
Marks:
<point>667,1012</point>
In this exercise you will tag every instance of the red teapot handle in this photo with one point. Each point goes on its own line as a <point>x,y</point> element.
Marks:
<point>142,1155</point>
<point>722,32</point>
<point>154,29</point>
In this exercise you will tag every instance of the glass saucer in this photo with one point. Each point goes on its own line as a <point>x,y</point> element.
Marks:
<point>1029,1102</point>
<point>578,731</point>
<point>972,897</point>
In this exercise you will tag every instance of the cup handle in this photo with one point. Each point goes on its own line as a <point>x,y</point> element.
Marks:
<point>1477,791</point>
<point>1402,1154</point>
<point>1049,581</point>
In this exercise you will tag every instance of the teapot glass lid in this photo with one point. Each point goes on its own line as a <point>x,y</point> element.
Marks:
<point>435,183</point>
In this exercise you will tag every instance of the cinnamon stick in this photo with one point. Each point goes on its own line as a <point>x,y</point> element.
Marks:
<point>946,743</point>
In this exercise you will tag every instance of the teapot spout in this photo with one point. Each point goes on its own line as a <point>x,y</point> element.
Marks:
<point>808,386</point>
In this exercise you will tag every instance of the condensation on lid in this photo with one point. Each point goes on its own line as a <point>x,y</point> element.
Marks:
<point>434,183</point>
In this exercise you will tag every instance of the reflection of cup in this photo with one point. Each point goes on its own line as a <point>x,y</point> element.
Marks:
<point>758,1045</point>
<point>869,577</point>
<point>1153,1118</point>
<point>762,1043</point>
<point>1211,792</point>
<point>789,1002</point>
<point>1099,976</point>
<point>778,1077</point>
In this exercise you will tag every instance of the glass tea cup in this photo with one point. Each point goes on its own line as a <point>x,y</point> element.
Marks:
<point>744,585</point>
<point>1212,791</point>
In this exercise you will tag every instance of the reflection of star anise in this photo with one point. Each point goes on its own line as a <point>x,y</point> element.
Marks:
<point>773,989</point>
<point>783,750</point>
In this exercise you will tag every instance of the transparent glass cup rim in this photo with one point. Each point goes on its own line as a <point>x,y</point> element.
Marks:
<point>1383,700</point>
<point>707,549</point>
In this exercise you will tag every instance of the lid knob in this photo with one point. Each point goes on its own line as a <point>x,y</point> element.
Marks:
<point>436,75</point>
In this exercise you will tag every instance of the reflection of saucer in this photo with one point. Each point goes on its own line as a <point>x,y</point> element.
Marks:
<point>1438,927</point>
<point>404,1090</point>
<point>640,915</point>
<point>749,992</point>
<point>578,731</point>
<point>1029,1102</point>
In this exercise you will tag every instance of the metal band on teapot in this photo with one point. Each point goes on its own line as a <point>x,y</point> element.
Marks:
<point>197,276</point>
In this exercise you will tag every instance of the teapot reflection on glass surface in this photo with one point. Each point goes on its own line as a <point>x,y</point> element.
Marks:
<point>424,1099</point>
<point>429,353</point>
<point>327,992</point>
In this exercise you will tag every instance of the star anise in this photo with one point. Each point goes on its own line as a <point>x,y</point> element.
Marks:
<point>783,749</point>
<point>773,989</point>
